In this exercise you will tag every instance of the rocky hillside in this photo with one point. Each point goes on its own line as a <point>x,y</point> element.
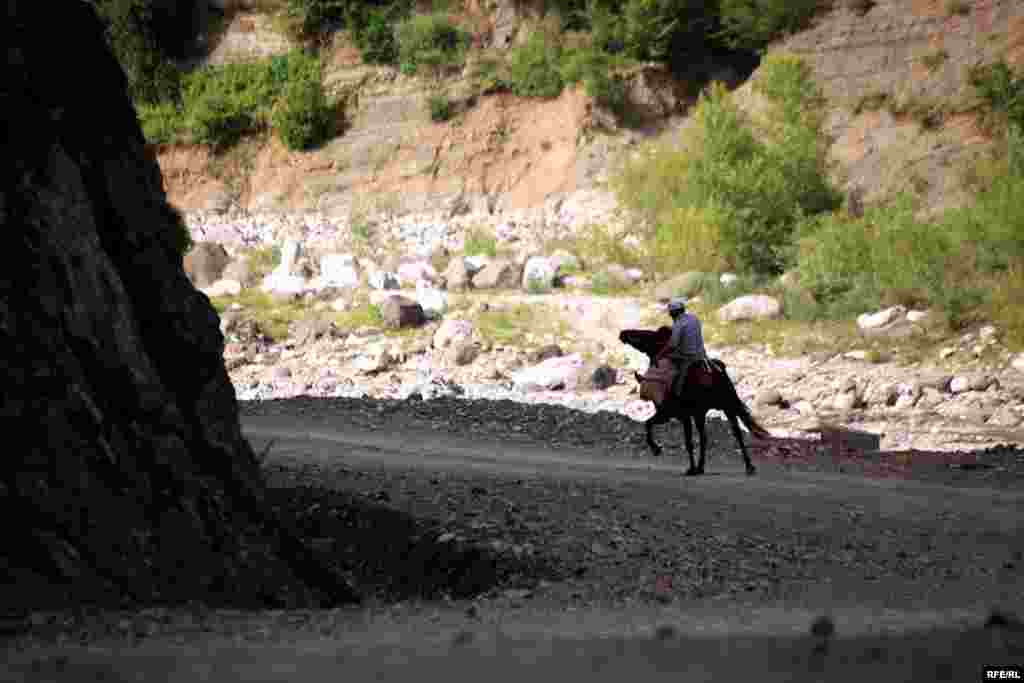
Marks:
<point>125,476</point>
<point>895,75</point>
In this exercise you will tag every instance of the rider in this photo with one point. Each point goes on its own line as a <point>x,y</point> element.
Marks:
<point>686,346</point>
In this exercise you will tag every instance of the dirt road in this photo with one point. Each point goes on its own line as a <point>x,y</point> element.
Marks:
<point>657,575</point>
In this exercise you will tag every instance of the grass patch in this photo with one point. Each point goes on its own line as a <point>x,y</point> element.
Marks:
<point>956,8</point>
<point>273,317</point>
<point>934,60</point>
<point>364,315</point>
<point>510,327</point>
<point>480,242</point>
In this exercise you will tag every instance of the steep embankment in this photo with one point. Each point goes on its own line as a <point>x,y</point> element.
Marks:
<point>895,75</point>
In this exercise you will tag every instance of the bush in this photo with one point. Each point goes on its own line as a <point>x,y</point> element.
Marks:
<point>375,37</point>
<point>440,107</point>
<point>303,118</point>
<point>161,123</point>
<point>752,24</point>
<point>146,37</point>
<point>314,17</point>
<point>753,189</point>
<point>887,256</point>
<point>534,67</point>
<point>430,40</point>
<point>221,104</point>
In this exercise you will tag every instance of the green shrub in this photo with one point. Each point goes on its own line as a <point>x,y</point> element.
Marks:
<point>754,190</point>
<point>440,107</point>
<point>430,40</point>
<point>375,37</point>
<point>887,256</point>
<point>303,117</point>
<point>146,36</point>
<point>534,67</point>
<point>223,103</point>
<point>752,24</point>
<point>161,123</point>
<point>314,17</point>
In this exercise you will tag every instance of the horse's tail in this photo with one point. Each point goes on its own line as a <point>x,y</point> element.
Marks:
<point>742,412</point>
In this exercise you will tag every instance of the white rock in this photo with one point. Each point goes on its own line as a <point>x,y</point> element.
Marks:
<point>634,274</point>
<point>374,359</point>
<point>380,279</point>
<point>917,316</point>
<point>871,321</point>
<point>280,283</point>
<point>987,332</point>
<point>539,272</point>
<point>341,304</point>
<point>338,270</point>
<point>415,271</point>
<point>476,263</point>
<point>1018,362</point>
<point>959,385</point>
<point>728,279</point>
<point>845,401</point>
<point>223,288</point>
<point>750,307</point>
<point>946,352</point>
<point>433,301</point>
<point>290,252</point>
<point>805,408</point>
<point>563,371</point>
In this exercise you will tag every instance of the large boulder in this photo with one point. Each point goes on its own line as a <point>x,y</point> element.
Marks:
<point>498,274</point>
<point>539,274</point>
<point>456,275</point>
<point>562,372</point>
<point>750,307</point>
<point>223,288</point>
<point>205,263</point>
<point>399,311</point>
<point>433,301</point>
<point>126,476</point>
<point>339,270</point>
<point>414,272</point>
<point>453,331</point>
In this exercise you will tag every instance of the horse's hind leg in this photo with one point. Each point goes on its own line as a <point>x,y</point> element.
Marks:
<point>734,423</point>
<point>688,430</point>
<point>655,419</point>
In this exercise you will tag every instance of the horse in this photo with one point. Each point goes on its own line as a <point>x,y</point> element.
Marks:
<point>708,390</point>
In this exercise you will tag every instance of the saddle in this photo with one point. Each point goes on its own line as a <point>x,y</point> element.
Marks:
<point>657,384</point>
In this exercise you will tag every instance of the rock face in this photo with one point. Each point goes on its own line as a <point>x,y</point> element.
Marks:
<point>133,481</point>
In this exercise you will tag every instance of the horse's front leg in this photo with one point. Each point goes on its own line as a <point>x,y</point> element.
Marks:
<point>701,420</point>
<point>657,419</point>
<point>688,431</point>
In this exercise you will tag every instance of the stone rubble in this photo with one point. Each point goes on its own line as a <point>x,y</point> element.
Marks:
<point>925,408</point>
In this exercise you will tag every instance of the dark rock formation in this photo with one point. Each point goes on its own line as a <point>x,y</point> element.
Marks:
<point>124,473</point>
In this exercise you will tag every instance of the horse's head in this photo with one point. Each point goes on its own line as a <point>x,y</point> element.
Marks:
<point>648,342</point>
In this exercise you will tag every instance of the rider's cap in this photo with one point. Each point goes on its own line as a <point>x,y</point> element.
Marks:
<point>677,304</point>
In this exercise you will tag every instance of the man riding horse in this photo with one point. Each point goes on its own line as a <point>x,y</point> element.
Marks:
<point>686,345</point>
